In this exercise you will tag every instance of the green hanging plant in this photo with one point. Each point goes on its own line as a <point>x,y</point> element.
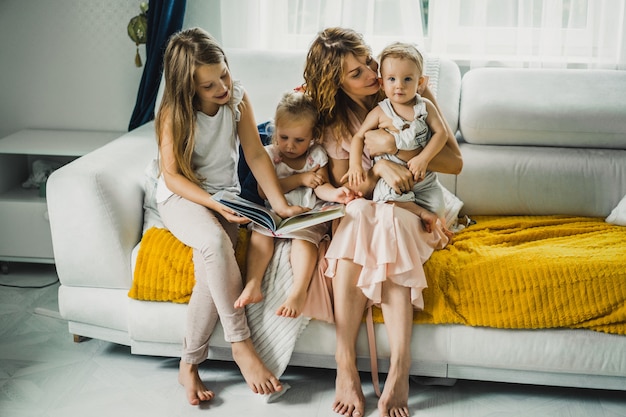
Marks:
<point>138,30</point>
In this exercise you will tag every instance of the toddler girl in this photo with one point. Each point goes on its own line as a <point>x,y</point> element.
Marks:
<point>301,166</point>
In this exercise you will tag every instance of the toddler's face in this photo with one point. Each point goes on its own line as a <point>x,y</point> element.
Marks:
<point>293,137</point>
<point>401,79</point>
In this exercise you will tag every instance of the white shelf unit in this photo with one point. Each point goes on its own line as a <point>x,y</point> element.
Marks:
<point>24,226</point>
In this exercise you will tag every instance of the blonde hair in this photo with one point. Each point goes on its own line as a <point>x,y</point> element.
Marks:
<point>186,51</point>
<point>323,75</point>
<point>295,105</point>
<point>403,51</point>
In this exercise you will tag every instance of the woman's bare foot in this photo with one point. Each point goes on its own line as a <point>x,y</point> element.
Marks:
<point>189,378</point>
<point>254,371</point>
<point>349,398</point>
<point>251,294</point>
<point>394,399</point>
<point>293,305</point>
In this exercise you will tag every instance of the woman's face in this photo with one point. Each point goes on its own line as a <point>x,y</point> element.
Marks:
<point>360,76</point>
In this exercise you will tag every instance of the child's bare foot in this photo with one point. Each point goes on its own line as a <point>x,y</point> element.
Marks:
<point>251,294</point>
<point>254,371</point>
<point>189,378</point>
<point>349,398</point>
<point>293,305</point>
<point>394,399</point>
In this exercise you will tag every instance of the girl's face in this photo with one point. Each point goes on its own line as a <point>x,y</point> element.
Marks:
<point>213,86</point>
<point>401,79</point>
<point>293,137</point>
<point>360,78</point>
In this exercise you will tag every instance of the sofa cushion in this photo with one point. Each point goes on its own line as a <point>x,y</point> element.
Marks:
<point>564,108</point>
<point>569,256</point>
<point>618,215</point>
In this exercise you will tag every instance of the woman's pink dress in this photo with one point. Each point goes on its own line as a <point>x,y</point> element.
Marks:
<point>387,241</point>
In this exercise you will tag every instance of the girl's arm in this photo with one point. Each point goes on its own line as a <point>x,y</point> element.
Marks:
<point>181,185</point>
<point>309,179</point>
<point>329,192</point>
<point>260,163</point>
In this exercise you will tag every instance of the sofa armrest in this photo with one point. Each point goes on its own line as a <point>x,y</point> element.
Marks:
<point>95,204</point>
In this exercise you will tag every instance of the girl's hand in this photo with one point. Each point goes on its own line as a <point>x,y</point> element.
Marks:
<point>418,168</point>
<point>379,142</point>
<point>344,195</point>
<point>312,179</point>
<point>288,211</point>
<point>230,215</point>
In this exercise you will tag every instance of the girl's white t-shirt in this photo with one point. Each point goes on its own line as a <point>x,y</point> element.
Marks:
<point>216,152</point>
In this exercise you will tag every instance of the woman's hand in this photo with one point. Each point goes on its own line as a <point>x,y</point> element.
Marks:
<point>379,142</point>
<point>398,177</point>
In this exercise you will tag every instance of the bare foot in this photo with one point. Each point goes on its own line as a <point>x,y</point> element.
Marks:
<point>189,378</point>
<point>251,294</point>
<point>349,398</point>
<point>254,371</point>
<point>293,305</point>
<point>394,399</point>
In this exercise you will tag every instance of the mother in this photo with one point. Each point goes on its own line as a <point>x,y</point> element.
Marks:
<point>377,251</point>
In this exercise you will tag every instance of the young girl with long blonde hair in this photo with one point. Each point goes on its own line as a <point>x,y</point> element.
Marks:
<point>202,119</point>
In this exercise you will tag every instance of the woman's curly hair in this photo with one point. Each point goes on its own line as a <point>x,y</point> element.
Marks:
<point>323,75</point>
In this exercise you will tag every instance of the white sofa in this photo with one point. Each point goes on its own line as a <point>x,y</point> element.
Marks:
<point>533,141</point>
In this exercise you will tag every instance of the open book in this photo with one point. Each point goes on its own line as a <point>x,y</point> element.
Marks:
<point>268,219</point>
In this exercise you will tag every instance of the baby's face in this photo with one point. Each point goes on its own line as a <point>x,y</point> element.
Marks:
<point>401,79</point>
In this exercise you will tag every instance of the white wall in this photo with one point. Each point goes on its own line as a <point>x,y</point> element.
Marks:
<point>69,64</point>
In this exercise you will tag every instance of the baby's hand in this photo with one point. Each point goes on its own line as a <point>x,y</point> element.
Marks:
<point>355,176</point>
<point>418,168</point>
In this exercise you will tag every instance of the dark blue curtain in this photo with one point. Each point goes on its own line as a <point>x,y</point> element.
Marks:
<point>165,17</point>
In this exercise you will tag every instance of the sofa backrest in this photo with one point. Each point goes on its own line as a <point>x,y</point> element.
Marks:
<point>538,142</point>
<point>543,107</point>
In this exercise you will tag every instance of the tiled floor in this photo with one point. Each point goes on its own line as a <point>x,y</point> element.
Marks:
<point>43,373</point>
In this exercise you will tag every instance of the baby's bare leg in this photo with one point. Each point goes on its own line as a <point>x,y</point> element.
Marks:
<point>260,251</point>
<point>303,261</point>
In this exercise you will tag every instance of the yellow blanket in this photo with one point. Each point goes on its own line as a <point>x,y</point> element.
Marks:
<point>503,272</point>
<point>530,273</point>
<point>164,267</point>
